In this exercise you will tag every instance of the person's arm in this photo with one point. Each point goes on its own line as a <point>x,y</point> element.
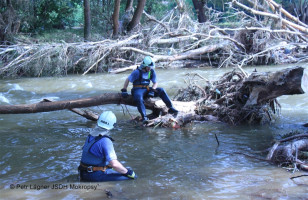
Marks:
<point>155,85</point>
<point>126,84</point>
<point>124,93</point>
<point>117,166</point>
<point>111,158</point>
<point>154,81</point>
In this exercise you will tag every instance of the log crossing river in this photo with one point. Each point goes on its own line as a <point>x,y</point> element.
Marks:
<point>40,153</point>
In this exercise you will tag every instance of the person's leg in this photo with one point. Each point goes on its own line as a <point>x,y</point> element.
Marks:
<point>164,96</point>
<point>138,94</point>
<point>99,176</point>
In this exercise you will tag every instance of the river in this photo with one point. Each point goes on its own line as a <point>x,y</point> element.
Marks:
<point>40,152</point>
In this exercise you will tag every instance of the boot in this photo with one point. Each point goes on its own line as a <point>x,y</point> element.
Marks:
<point>173,111</point>
<point>145,120</point>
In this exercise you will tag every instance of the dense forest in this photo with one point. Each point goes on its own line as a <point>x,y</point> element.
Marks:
<point>48,37</point>
<point>100,17</point>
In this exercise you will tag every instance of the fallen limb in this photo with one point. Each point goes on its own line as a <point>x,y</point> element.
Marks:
<point>155,20</point>
<point>192,53</point>
<point>286,154</point>
<point>294,177</point>
<point>286,13</point>
<point>84,113</point>
<point>171,58</point>
<point>172,40</point>
<point>124,69</point>
<point>277,143</point>
<point>274,16</point>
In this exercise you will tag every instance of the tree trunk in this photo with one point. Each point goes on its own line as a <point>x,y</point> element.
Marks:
<point>199,7</point>
<point>115,17</point>
<point>9,23</point>
<point>129,5</point>
<point>87,20</point>
<point>9,3</point>
<point>268,85</point>
<point>2,29</point>
<point>137,15</point>
<point>104,99</point>
<point>265,86</point>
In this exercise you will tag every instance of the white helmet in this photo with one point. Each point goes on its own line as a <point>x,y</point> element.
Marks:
<point>148,62</point>
<point>106,120</point>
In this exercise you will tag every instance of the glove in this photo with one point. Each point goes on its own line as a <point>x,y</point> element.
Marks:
<point>130,174</point>
<point>124,93</point>
<point>151,93</point>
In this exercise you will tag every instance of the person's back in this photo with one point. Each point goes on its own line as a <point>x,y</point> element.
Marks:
<point>99,161</point>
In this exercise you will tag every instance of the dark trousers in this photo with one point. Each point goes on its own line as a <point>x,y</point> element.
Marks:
<point>100,176</point>
<point>140,93</point>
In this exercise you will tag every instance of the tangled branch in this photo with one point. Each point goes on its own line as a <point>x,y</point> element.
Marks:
<point>175,37</point>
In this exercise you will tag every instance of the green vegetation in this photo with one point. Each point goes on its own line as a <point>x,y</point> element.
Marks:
<point>42,18</point>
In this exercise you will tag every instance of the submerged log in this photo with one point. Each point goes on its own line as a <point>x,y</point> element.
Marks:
<point>227,98</point>
<point>288,151</point>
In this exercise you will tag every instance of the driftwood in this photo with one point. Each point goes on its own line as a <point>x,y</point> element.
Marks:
<point>181,56</point>
<point>274,6</point>
<point>175,37</point>
<point>232,99</point>
<point>268,86</point>
<point>287,151</point>
<point>274,16</point>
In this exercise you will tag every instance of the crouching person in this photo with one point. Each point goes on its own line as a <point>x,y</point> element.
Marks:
<point>99,160</point>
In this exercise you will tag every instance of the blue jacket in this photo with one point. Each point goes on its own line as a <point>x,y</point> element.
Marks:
<point>89,158</point>
<point>143,81</point>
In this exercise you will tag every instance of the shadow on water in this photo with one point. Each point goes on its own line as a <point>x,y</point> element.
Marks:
<point>44,149</point>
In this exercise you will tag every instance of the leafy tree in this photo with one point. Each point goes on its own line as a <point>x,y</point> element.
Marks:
<point>54,13</point>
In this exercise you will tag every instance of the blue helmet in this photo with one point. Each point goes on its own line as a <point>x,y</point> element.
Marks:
<point>148,62</point>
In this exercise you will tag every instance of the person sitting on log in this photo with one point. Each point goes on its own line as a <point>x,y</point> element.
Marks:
<point>141,78</point>
<point>99,161</point>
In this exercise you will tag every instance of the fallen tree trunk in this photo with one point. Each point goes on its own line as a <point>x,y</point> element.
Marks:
<point>289,151</point>
<point>46,106</point>
<point>266,86</point>
<point>235,99</point>
<point>108,98</point>
<point>230,99</point>
<point>181,56</point>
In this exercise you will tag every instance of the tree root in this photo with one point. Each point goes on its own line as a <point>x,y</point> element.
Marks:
<point>289,152</point>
